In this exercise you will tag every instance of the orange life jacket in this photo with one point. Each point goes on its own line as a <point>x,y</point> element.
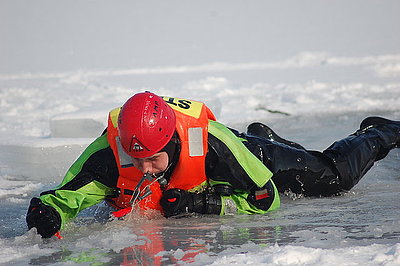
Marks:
<point>189,173</point>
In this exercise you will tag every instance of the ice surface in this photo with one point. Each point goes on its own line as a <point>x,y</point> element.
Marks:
<point>311,70</point>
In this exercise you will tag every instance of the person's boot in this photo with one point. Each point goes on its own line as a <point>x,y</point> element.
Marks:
<point>261,130</point>
<point>383,124</point>
<point>376,121</point>
<point>356,154</point>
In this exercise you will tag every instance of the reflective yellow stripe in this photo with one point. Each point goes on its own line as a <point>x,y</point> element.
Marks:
<point>114,116</point>
<point>256,170</point>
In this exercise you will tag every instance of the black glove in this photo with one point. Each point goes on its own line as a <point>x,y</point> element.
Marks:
<point>45,218</point>
<point>176,201</point>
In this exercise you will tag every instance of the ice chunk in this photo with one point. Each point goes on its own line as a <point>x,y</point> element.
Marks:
<point>75,128</point>
<point>85,123</point>
<point>42,161</point>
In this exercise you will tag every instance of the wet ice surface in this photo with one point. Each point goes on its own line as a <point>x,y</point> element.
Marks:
<point>363,221</point>
<point>361,226</point>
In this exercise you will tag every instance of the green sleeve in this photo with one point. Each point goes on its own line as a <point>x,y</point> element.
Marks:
<point>253,167</point>
<point>70,202</point>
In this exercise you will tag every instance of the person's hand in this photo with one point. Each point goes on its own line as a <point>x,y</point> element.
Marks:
<point>177,201</point>
<point>45,218</point>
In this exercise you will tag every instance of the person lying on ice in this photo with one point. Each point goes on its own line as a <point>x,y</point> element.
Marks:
<point>171,155</point>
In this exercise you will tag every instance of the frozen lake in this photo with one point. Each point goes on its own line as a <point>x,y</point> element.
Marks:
<point>362,225</point>
<point>311,70</point>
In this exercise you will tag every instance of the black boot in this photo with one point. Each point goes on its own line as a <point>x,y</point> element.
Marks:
<point>376,121</point>
<point>382,123</point>
<point>356,154</point>
<point>261,130</point>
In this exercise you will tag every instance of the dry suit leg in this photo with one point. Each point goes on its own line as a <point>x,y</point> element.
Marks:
<point>356,154</point>
<point>303,172</point>
<point>339,168</point>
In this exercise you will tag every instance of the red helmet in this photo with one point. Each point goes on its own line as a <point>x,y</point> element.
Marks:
<point>145,124</point>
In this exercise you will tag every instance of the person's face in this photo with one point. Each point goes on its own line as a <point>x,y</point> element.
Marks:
<point>154,164</point>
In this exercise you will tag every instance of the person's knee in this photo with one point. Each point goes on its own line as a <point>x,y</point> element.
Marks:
<point>314,175</point>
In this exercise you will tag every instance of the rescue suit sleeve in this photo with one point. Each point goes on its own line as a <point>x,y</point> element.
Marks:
<point>90,179</point>
<point>242,180</point>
